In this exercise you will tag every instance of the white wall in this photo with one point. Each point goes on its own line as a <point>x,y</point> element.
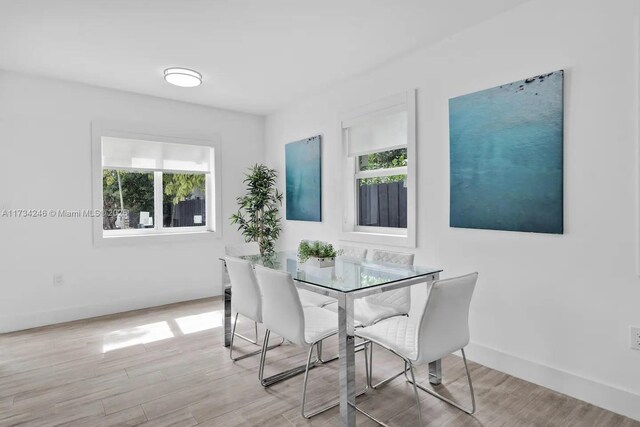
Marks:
<point>45,163</point>
<point>551,309</point>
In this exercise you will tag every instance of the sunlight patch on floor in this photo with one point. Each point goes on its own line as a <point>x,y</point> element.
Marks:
<point>200,322</point>
<point>137,335</point>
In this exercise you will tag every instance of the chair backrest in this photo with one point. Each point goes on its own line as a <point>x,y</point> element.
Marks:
<point>246,298</point>
<point>243,249</point>
<point>400,299</point>
<point>354,252</point>
<point>281,308</point>
<point>390,257</point>
<point>444,326</point>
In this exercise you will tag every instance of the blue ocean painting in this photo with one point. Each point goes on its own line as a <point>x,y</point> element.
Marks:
<point>506,154</point>
<point>304,190</point>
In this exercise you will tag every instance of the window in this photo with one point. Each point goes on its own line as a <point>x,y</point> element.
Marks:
<point>379,151</point>
<point>184,201</point>
<point>381,182</point>
<point>154,187</point>
<point>129,202</point>
<point>127,199</point>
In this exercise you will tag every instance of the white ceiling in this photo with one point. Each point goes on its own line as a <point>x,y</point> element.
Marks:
<point>255,55</point>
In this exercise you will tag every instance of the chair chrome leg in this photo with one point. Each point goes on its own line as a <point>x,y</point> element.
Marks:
<point>473,396</point>
<point>451,402</point>
<point>242,336</point>
<point>256,325</point>
<point>415,391</point>
<point>358,347</point>
<point>335,405</point>
<point>233,334</point>
<point>391,378</point>
<point>319,351</point>
<point>263,355</point>
<point>371,417</point>
<point>366,364</point>
<point>368,350</point>
<point>304,386</point>
<point>253,353</point>
<point>306,377</point>
<point>370,373</point>
<point>386,380</point>
<point>267,382</point>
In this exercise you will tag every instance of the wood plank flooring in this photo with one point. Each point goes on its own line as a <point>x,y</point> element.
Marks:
<point>166,366</point>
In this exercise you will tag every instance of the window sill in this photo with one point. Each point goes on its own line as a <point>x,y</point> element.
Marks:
<point>133,239</point>
<point>400,240</point>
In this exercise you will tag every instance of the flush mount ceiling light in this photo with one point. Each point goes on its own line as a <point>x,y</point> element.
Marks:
<point>183,77</point>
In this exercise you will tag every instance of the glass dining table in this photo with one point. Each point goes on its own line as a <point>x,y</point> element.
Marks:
<point>347,280</point>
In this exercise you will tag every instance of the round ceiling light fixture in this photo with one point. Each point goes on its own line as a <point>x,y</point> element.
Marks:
<point>183,77</point>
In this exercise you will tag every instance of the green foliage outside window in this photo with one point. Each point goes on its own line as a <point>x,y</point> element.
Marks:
<point>134,193</point>
<point>180,186</point>
<point>383,160</point>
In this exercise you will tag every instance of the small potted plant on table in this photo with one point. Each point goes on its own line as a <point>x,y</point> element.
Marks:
<point>317,253</point>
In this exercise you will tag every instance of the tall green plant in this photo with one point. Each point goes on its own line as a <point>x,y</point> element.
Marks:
<point>257,216</point>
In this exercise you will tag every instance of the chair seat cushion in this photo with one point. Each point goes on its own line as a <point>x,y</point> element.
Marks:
<point>318,323</point>
<point>312,299</point>
<point>366,313</point>
<point>400,334</point>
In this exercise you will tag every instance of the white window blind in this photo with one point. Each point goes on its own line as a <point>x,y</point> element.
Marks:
<point>122,153</point>
<point>378,131</point>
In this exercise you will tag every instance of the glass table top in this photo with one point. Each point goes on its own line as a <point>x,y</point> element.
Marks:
<point>347,275</point>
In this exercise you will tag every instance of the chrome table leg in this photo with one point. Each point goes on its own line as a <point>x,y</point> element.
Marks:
<point>435,372</point>
<point>226,295</point>
<point>346,341</point>
<point>435,368</point>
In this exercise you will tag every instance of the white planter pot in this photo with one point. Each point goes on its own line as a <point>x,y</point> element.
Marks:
<point>321,262</point>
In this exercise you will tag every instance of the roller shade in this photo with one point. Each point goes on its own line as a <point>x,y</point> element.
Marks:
<point>122,153</point>
<point>380,131</point>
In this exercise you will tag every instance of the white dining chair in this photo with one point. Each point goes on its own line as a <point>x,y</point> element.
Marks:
<point>353,252</point>
<point>240,250</point>
<point>373,308</point>
<point>312,299</point>
<point>246,300</point>
<point>399,300</point>
<point>283,314</point>
<point>442,329</point>
<point>309,299</point>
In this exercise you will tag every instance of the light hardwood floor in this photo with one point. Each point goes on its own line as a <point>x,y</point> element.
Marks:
<point>166,366</point>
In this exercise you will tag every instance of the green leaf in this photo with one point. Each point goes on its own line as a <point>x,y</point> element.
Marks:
<point>257,213</point>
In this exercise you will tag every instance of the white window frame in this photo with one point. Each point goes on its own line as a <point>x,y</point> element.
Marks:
<point>213,227</point>
<point>351,231</point>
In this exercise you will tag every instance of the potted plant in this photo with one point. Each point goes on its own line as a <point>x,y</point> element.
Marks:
<point>317,253</point>
<point>257,216</point>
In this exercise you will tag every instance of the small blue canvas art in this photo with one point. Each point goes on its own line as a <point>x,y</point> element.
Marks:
<point>303,176</point>
<point>506,154</point>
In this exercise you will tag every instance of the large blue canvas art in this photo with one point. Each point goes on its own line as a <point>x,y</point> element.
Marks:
<point>506,146</point>
<point>304,190</point>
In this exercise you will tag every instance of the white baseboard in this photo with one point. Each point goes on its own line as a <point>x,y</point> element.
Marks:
<point>609,397</point>
<point>33,320</point>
